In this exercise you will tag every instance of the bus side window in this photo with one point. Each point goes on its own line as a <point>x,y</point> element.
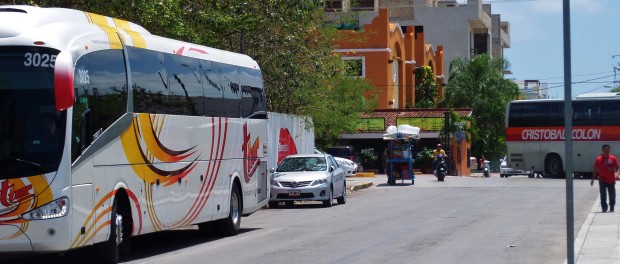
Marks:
<point>212,89</point>
<point>610,113</point>
<point>150,81</point>
<point>100,96</point>
<point>232,90</point>
<point>587,114</point>
<point>185,93</point>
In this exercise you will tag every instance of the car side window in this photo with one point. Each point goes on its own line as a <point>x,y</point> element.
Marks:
<point>333,162</point>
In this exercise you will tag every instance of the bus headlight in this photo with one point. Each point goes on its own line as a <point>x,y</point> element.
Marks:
<point>55,209</point>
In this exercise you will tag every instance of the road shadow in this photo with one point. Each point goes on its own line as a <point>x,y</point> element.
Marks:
<point>143,246</point>
<point>302,205</point>
<point>397,184</point>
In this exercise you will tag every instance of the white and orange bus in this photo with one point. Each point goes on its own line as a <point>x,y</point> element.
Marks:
<point>535,134</point>
<point>109,132</point>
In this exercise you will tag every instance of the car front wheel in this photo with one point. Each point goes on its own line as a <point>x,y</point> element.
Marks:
<point>343,198</point>
<point>330,199</point>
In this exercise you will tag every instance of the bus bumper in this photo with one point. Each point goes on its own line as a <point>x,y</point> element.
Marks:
<point>12,239</point>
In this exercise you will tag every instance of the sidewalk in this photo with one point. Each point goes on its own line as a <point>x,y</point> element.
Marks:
<point>598,240</point>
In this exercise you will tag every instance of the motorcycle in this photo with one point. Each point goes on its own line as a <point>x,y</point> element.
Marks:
<point>441,168</point>
<point>487,168</point>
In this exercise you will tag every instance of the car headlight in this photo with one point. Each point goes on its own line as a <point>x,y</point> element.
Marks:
<point>275,183</point>
<point>320,181</point>
<point>54,209</point>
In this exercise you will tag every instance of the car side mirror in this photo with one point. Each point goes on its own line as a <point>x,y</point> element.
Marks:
<point>332,168</point>
<point>272,170</point>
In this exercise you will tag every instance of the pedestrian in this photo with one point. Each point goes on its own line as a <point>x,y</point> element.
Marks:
<point>606,168</point>
<point>481,162</point>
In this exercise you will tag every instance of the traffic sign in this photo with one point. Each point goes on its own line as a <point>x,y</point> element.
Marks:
<point>460,135</point>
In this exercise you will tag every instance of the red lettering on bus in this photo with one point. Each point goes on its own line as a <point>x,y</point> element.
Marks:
<point>251,160</point>
<point>558,134</point>
<point>10,196</point>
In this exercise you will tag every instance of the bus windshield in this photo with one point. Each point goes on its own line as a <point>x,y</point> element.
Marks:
<point>32,132</point>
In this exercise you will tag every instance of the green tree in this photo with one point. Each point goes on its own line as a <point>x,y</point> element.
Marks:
<point>479,84</point>
<point>615,89</point>
<point>426,87</point>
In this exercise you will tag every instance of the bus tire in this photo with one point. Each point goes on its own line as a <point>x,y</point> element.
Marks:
<point>109,250</point>
<point>230,225</point>
<point>553,166</point>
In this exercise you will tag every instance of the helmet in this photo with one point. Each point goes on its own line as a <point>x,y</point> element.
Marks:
<point>439,145</point>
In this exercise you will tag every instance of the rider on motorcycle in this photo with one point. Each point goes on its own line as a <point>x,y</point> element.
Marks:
<point>436,153</point>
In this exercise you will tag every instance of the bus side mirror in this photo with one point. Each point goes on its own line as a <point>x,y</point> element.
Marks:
<point>63,81</point>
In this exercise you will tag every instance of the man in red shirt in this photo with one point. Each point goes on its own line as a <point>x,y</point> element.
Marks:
<point>606,167</point>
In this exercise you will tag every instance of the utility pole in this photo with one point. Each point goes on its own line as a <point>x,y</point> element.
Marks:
<point>568,128</point>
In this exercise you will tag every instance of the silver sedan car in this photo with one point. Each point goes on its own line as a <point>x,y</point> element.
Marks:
<point>308,177</point>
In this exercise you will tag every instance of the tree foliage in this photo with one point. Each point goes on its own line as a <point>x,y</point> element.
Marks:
<point>426,87</point>
<point>302,74</point>
<point>479,84</point>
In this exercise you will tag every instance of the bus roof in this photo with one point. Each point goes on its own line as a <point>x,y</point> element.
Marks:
<point>581,97</point>
<point>598,95</point>
<point>81,32</point>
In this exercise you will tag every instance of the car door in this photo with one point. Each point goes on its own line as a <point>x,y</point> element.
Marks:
<point>337,176</point>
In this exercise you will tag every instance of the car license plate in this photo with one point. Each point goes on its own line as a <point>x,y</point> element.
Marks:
<point>294,193</point>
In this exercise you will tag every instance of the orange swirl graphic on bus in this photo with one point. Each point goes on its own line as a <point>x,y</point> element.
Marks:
<point>21,195</point>
<point>143,131</point>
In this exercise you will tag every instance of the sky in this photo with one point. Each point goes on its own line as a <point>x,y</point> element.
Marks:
<point>537,43</point>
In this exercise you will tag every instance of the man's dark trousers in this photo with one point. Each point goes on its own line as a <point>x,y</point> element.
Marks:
<point>604,189</point>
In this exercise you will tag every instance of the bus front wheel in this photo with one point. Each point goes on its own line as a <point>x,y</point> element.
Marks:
<point>553,166</point>
<point>108,251</point>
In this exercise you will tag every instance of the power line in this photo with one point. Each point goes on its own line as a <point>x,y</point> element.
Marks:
<point>585,74</point>
<point>584,81</point>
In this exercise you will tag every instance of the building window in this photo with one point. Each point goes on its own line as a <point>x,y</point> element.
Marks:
<point>357,5</point>
<point>355,66</point>
<point>333,5</point>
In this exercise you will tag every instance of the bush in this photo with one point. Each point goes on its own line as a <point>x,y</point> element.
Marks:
<point>424,159</point>
<point>369,157</point>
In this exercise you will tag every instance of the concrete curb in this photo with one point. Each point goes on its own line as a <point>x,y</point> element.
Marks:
<point>365,174</point>
<point>358,187</point>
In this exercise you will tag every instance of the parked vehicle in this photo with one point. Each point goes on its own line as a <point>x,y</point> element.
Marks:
<point>506,171</point>
<point>348,166</point>
<point>442,169</point>
<point>309,177</point>
<point>346,152</point>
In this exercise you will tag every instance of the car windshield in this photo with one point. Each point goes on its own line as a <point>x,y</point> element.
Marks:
<point>32,132</point>
<point>302,164</point>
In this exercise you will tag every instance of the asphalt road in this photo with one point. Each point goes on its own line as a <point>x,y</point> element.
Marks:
<point>461,220</point>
